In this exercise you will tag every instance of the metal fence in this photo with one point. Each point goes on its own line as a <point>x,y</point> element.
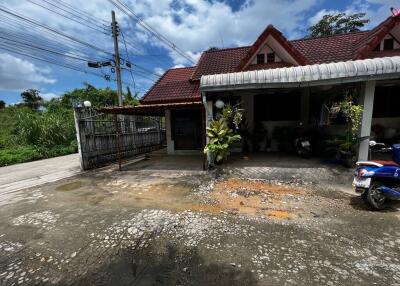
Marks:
<point>107,138</point>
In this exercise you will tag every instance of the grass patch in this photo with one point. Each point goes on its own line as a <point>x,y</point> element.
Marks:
<point>21,154</point>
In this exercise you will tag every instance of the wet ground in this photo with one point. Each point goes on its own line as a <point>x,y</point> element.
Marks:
<point>239,226</point>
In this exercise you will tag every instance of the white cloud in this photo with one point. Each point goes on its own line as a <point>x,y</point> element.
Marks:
<point>196,25</point>
<point>320,14</point>
<point>178,66</point>
<point>49,95</point>
<point>17,74</point>
<point>159,70</point>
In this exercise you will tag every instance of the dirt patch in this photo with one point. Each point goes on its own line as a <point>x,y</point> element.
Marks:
<point>280,214</point>
<point>257,186</point>
<point>253,197</point>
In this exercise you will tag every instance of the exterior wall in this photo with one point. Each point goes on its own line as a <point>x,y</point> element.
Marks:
<point>396,44</point>
<point>170,142</point>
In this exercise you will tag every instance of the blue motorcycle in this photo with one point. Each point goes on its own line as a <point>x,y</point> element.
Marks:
<point>379,181</point>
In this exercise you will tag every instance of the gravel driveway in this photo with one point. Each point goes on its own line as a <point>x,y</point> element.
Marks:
<point>237,227</point>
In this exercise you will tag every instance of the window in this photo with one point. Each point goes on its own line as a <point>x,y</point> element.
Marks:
<point>270,57</point>
<point>386,102</point>
<point>260,58</point>
<point>388,44</point>
<point>277,107</point>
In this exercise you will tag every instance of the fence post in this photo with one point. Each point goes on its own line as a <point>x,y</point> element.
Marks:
<point>118,143</point>
<point>78,136</point>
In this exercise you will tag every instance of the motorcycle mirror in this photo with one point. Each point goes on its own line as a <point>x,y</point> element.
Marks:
<point>372,143</point>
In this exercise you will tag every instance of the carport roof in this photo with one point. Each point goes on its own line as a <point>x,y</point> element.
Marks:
<point>310,75</point>
<point>150,109</point>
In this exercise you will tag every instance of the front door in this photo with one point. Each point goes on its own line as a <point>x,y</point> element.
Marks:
<point>186,129</point>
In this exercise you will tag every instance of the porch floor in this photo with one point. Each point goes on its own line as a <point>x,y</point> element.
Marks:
<point>161,161</point>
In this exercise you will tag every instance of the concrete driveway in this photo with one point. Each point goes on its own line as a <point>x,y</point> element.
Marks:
<point>175,228</point>
<point>21,176</point>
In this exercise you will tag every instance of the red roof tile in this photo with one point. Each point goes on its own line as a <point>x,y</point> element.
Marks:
<point>173,86</point>
<point>219,61</point>
<point>374,37</point>
<point>267,66</point>
<point>329,48</point>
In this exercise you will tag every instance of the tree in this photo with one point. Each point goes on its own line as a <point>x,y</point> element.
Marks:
<point>97,96</point>
<point>31,98</point>
<point>2,104</point>
<point>129,99</point>
<point>340,23</point>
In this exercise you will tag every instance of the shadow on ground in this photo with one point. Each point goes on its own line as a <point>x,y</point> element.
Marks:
<point>358,204</point>
<point>174,266</point>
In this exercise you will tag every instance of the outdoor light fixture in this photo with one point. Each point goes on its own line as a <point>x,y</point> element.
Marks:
<point>219,104</point>
<point>87,103</point>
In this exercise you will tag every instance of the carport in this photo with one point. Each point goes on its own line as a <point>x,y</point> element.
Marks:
<point>116,134</point>
<point>366,73</point>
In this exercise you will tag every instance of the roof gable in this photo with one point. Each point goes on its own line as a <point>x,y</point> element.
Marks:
<point>272,35</point>
<point>366,46</point>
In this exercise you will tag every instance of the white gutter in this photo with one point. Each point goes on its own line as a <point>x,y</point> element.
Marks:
<point>311,75</point>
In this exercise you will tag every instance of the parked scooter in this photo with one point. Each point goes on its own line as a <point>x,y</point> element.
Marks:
<point>379,181</point>
<point>302,145</point>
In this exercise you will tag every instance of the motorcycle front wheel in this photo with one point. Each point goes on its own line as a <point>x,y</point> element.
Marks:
<point>374,197</point>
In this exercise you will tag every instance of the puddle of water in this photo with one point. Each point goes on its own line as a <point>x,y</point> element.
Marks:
<point>69,186</point>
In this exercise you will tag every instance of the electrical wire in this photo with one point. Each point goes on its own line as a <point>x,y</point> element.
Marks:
<point>30,45</point>
<point>81,12</point>
<point>127,56</point>
<point>101,29</point>
<point>35,23</point>
<point>11,50</point>
<point>129,12</point>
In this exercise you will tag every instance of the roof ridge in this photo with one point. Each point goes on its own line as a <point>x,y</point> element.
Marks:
<point>330,36</point>
<point>226,49</point>
<point>180,68</point>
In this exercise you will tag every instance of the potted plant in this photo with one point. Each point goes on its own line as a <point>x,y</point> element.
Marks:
<point>221,134</point>
<point>347,144</point>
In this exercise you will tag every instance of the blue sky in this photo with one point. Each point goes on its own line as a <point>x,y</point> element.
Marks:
<point>193,25</point>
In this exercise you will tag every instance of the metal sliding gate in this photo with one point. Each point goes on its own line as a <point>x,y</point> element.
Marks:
<point>107,138</point>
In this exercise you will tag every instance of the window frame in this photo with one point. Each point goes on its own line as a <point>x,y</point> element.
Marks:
<point>391,45</point>
<point>272,54</point>
<point>259,56</point>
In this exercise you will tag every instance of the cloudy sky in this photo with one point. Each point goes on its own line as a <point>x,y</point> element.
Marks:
<point>80,33</point>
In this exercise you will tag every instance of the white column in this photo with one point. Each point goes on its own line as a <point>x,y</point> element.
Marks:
<point>248,106</point>
<point>305,106</point>
<point>168,129</point>
<point>367,100</point>
<point>78,137</point>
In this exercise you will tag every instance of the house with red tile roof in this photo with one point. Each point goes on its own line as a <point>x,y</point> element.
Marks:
<point>283,84</point>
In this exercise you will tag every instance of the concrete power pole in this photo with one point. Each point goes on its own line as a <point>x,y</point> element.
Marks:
<point>115,31</point>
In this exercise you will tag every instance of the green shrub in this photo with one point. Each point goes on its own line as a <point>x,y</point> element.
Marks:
<point>21,154</point>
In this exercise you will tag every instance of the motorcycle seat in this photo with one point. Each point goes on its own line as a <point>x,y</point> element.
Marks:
<point>378,163</point>
<point>387,163</point>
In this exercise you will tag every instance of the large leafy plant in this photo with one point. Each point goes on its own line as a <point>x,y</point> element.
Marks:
<point>353,114</point>
<point>221,138</point>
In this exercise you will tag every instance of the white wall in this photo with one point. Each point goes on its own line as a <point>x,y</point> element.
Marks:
<point>168,129</point>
